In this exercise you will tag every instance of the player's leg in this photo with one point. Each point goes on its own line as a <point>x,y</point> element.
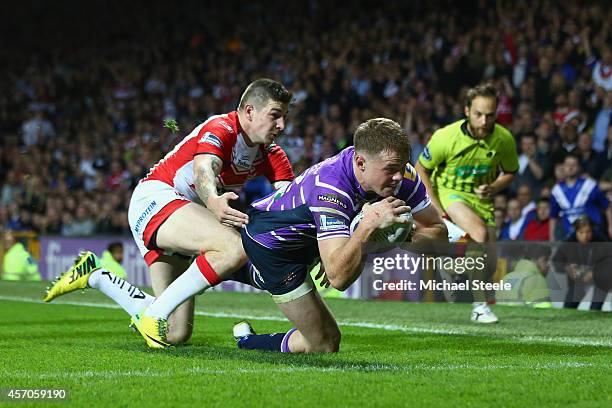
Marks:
<point>477,224</point>
<point>315,329</point>
<point>87,273</point>
<point>191,230</point>
<point>481,312</point>
<point>163,272</point>
<point>194,230</point>
<point>468,220</point>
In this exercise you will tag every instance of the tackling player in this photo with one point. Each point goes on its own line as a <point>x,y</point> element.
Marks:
<point>464,165</point>
<point>310,218</point>
<point>182,208</point>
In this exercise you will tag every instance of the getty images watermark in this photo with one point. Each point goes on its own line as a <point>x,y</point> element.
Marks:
<point>400,264</point>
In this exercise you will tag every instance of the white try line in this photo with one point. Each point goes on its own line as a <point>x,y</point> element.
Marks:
<point>410,368</point>
<point>571,341</point>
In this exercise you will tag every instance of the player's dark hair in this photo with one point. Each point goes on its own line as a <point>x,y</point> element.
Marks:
<point>114,246</point>
<point>382,134</point>
<point>262,90</point>
<point>487,90</point>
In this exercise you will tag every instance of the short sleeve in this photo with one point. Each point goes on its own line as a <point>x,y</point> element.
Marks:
<point>412,190</point>
<point>509,161</point>
<point>214,139</point>
<point>434,152</point>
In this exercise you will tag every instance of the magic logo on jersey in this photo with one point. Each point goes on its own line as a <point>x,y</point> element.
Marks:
<point>329,223</point>
<point>426,153</point>
<point>331,198</point>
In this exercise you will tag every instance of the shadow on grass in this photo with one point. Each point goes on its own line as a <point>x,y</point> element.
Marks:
<point>386,351</point>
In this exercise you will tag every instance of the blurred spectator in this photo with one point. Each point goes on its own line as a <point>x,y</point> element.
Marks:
<point>601,127</point>
<point>592,163</point>
<point>500,201</point>
<point>514,228</point>
<point>112,258</point>
<point>11,188</point>
<point>80,226</point>
<point>576,196</point>
<point>37,129</point>
<point>534,166</point>
<point>500,220</point>
<point>601,68</point>
<point>528,280</point>
<point>538,228</point>
<point>569,140</point>
<point>578,258</point>
<point>17,264</point>
<point>545,143</point>
<point>524,195</point>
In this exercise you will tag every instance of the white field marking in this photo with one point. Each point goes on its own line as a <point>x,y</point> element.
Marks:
<point>113,374</point>
<point>571,341</point>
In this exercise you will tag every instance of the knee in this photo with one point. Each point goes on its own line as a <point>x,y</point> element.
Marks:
<point>326,343</point>
<point>479,234</point>
<point>179,335</point>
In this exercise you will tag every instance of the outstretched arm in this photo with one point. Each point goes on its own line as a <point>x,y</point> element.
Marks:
<point>207,168</point>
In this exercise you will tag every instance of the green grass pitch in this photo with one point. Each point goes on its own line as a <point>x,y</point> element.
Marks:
<point>392,354</point>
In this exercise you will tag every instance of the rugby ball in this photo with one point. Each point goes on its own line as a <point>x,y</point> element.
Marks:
<point>395,233</point>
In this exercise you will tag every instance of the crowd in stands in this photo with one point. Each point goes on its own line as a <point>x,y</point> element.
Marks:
<point>85,94</point>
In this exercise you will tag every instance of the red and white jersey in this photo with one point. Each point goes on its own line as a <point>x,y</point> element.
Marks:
<point>222,136</point>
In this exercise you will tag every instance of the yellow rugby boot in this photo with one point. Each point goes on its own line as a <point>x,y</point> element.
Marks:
<point>75,278</point>
<point>152,329</point>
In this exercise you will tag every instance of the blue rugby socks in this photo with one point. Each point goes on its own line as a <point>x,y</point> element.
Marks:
<point>267,342</point>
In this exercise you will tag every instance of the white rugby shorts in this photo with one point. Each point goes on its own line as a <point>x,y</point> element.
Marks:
<point>151,204</point>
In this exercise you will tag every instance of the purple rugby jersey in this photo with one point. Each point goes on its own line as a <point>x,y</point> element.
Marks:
<point>321,202</point>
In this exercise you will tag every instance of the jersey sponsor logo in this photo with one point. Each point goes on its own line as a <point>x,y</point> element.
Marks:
<point>211,139</point>
<point>144,215</point>
<point>426,153</point>
<point>468,171</point>
<point>410,173</point>
<point>331,198</point>
<point>329,223</point>
<point>243,162</point>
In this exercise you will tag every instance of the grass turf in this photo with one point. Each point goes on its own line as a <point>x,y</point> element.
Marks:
<point>392,354</point>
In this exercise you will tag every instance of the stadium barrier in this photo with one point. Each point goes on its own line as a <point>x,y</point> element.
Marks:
<point>404,272</point>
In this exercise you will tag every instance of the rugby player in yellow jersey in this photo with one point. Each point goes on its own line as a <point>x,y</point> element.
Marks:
<point>463,166</point>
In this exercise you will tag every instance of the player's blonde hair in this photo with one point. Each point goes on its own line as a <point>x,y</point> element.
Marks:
<point>382,134</point>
